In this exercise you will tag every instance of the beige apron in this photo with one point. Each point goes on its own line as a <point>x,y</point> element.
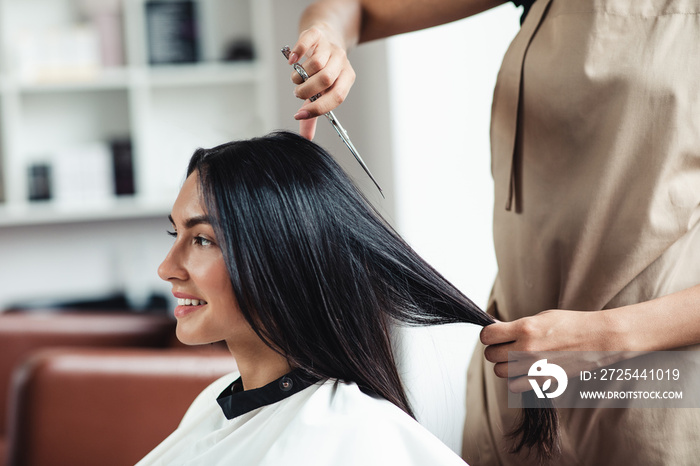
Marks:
<point>596,161</point>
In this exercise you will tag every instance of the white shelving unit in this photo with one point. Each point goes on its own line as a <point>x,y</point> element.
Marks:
<point>167,111</point>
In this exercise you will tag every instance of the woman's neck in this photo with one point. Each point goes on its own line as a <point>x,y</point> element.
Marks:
<point>258,366</point>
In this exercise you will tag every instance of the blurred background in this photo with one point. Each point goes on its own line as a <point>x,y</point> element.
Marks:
<point>103,101</point>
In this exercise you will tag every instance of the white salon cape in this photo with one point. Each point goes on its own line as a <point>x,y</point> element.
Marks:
<point>293,421</point>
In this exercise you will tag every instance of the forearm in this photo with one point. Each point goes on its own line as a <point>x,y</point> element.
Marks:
<point>356,21</point>
<point>665,323</point>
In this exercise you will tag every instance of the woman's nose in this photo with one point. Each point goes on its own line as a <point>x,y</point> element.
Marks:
<point>171,268</point>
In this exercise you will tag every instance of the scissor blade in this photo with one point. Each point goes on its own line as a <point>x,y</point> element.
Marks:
<point>346,139</point>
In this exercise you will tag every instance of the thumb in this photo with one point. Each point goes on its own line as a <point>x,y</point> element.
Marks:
<point>307,128</point>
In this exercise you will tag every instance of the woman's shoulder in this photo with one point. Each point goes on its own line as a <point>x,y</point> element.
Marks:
<point>370,429</point>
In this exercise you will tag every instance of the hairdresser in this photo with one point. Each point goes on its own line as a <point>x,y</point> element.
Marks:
<point>595,140</point>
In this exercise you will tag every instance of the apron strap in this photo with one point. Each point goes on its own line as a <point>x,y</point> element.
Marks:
<point>510,83</point>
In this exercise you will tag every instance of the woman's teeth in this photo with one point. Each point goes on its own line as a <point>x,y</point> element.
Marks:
<point>190,302</point>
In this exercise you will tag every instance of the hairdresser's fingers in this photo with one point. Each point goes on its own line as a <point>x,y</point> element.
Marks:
<point>513,368</point>
<point>511,351</point>
<point>507,362</point>
<point>307,42</point>
<point>330,99</point>
<point>307,128</point>
<point>522,384</point>
<point>327,102</point>
<point>518,385</point>
<point>500,332</point>
<point>318,66</point>
<point>325,72</point>
<point>501,370</point>
<point>497,353</point>
<point>320,58</point>
<point>296,79</point>
<point>541,332</point>
<point>327,65</point>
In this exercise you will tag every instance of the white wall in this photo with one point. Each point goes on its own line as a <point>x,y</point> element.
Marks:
<point>82,260</point>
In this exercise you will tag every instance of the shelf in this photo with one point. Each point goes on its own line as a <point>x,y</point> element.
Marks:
<point>58,104</point>
<point>42,213</point>
<point>202,74</point>
<point>114,78</point>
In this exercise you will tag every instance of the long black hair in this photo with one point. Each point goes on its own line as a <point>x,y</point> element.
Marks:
<point>318,273</point>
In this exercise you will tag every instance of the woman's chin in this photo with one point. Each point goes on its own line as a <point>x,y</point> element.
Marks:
<point>189,338</point>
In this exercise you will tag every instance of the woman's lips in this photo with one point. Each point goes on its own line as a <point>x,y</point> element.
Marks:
<point>186,304</point>
<point>183,310</point>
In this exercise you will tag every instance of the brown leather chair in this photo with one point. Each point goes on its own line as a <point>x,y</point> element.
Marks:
<point>104,406</point>
<point>21,334</point>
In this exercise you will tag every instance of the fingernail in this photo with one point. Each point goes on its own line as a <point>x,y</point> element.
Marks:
<point>293,58</point>
<point>302,115</point>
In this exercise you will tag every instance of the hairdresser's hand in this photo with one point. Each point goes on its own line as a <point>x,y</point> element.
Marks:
<point>554,330</point>
<point>330,73</point>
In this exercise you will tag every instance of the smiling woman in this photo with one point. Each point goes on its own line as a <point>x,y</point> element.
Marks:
<point>278,254</point>
<point>207,309</point>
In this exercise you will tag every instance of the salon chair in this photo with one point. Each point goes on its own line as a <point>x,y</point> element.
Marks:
<point>104,406</point>
<point>23,333</point>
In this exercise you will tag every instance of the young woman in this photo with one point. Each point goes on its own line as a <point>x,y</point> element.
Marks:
<point>278,254</point>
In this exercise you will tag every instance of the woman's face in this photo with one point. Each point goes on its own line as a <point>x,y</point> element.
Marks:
<point>207,309</point>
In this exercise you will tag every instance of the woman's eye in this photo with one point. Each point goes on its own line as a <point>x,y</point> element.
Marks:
<point>202,241</point>
<point>172,233</point>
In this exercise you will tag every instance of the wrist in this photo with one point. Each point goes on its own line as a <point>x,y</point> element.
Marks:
<point>634,328</point>
<point>338,21</point>
<point>619,335</point>
<point>331,33</point>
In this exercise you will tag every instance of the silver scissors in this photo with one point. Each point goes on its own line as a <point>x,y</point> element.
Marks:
<point>334,121</point>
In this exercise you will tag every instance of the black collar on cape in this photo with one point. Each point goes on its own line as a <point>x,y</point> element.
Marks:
<point>234,401</point>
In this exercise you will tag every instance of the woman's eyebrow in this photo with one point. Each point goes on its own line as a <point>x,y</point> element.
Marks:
<point>193,221</point>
